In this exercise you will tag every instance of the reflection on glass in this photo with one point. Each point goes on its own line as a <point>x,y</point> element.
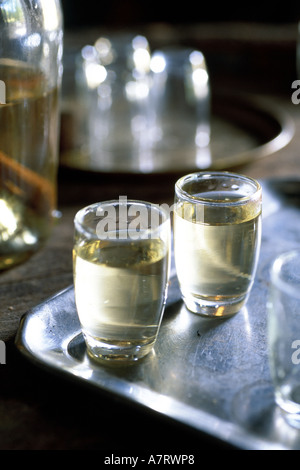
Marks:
<point>51,14</point>
<point>113,76</point>
<point>180,98</point>
<point>13,14</point>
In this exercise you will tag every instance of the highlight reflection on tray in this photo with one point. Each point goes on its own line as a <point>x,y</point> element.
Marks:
<point>212,375</point>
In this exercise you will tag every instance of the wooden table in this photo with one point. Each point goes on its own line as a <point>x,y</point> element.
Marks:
<point>39,410</point>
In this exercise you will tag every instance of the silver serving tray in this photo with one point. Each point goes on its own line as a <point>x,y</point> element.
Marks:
<point>211,375</point>
<point>244,128</point>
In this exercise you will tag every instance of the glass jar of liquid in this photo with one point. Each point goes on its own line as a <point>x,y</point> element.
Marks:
<point>30,75</point>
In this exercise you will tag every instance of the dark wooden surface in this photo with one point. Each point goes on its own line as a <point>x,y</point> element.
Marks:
<point>39,410</point>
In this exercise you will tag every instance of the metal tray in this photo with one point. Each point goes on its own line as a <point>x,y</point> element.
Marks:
<point>244,128</point>
<point>211,375</point>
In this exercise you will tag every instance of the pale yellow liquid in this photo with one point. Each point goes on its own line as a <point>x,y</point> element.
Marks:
<point>28,161</point>
<point>216,253</point>
<point>120,289</point>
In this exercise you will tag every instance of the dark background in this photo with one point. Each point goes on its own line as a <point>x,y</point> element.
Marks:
<point>118,13</point>
<point>247,44</point>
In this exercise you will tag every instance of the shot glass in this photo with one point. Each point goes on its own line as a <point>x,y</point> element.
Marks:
<point>284,334</point>
<point>121,270</point>
<point>113,83</point>
<point>217,234</point>
<point>180,100</point>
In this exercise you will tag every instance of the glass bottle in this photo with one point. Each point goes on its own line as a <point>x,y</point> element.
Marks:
<point>30,74</point>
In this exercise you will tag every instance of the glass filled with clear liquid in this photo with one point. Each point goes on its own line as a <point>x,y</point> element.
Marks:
<point>30,77</point>
<point>283,308</point>
<point>217,233</point>
<point>121,270</point>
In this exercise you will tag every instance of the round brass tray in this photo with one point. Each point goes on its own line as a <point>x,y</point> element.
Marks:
<point>244,128</point>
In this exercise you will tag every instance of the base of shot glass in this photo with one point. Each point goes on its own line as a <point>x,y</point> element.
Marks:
<point>214,308</point>
<point>289,408</point>
<point>116,351</point>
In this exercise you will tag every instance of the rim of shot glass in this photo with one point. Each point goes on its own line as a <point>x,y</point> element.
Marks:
<point>88,232</point>
<point>289,287</point>
<point>182,194</point>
